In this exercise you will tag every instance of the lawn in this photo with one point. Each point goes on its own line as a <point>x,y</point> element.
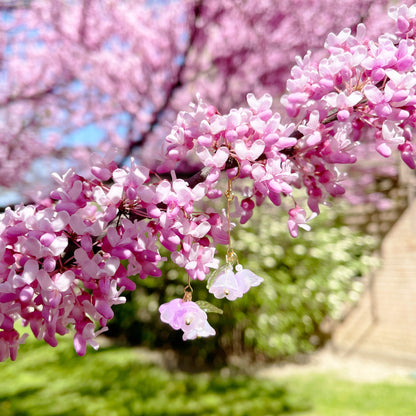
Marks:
<point>46,381</point>
<point>330,395</point>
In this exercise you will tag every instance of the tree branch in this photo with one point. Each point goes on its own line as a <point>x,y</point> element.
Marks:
<point>157,115</point>
<point>9,5</point>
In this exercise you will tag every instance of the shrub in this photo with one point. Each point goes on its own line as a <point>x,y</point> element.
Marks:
<point>307,282</point>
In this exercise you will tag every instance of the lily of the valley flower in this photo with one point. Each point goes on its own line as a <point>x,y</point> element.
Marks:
<point>226,283</point>
<point>188,316</point>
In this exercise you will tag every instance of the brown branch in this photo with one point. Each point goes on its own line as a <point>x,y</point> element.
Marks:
<point>10,5</point>
<point>82,28</point>
<point>157,115</point>
<point>37,95</point>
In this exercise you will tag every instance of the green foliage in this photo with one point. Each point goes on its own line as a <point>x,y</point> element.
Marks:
<point>46,381</point>
<point>330,395</point>
<point>118,382</point>
<point>308,281</point>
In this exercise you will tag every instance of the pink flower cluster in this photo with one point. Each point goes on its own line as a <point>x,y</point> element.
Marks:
<point>252,139</point>
<point>361,83</point>
<point>66,262</point>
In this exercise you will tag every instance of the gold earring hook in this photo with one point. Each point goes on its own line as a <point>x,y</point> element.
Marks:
<point>231,257</point>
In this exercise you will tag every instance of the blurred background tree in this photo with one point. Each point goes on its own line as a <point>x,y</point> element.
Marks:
<point>86,75</point>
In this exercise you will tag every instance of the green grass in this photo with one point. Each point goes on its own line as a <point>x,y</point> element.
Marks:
<point>332,396</point>
<point>117,382</point>
<point>46,381</point>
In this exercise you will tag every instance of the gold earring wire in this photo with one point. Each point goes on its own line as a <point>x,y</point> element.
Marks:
<point>187,291</point>
<point>231,256</point>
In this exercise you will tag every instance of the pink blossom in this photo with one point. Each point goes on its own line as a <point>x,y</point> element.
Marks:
<point>405,18</point>
<point>103,167</point>
<point>85,335</point>
<point>249,151</point>
<point>9,344</point>
<point>188,317</point>
<point>244,210</point>
<point>312,129</point>
<point>344,103</point>
<point>195,258</point>
<point>381,103</point>
<point>297,218</point>
<point>381,56</point>
<point>217,160</point>
<point>392,134</point>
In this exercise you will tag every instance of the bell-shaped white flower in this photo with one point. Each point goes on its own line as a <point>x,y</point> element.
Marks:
<point>246,279</point>
<point>226,283</point>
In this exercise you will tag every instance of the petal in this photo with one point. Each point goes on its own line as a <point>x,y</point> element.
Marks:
<point>354,98</point>
<point>64,281</point>
<point>246,279</point>
<point>240,149</point>
<point>221,156</point>
<point>80,345</point>
<point>256,149</point>
<point>373,94</point>
<point>30,270</point>
<point>58,245</point>
<point>224,284</point>
<point>384,149</point>
<point>168,311</point>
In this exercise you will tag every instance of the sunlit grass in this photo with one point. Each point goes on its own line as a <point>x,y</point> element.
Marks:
<point>116,381</point>
<point>330,395</point>
<point>46,381</point>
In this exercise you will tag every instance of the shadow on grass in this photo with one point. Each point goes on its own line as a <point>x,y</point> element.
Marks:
<point>55,382</point>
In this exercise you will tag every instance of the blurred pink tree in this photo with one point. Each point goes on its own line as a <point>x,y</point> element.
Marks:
<point>88,75</point>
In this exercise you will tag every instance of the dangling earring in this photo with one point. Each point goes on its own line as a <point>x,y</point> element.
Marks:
<point>224,282</point>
